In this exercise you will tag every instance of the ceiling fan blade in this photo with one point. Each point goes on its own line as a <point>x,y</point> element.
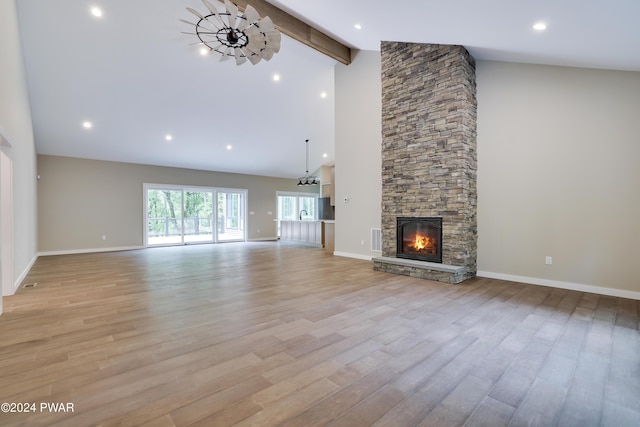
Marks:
<point>273,41</point>
<point>214,12</point>
<point>255,45</point>
<point>241,58</point>
<point>266,25</point>
<point>214,47</point>
<point>252,31</point>
<point>226,55</point>
<point>255,35</point>
<point>232,9</point>
<point>193,24</point>
<point>266,54</point>
<point>214,25</point>
<point>253,58</point>
<point>195,12</point>
<point>242,24</point>
<point>251,14</point>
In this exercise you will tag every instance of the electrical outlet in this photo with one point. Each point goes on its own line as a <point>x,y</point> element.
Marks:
<point>548,260</point>
<point>361,242</point>
<point>104,237</point>
<point>258,230</point>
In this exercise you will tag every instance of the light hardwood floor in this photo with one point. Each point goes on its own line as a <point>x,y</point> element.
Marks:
<point>261,334</point>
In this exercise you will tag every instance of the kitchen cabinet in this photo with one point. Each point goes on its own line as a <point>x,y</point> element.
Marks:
<point>309,232</point>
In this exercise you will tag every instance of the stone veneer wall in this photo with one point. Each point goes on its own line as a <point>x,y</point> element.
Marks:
<point>429,156</point>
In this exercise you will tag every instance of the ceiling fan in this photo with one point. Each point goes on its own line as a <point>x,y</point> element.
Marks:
<point>233,34</point>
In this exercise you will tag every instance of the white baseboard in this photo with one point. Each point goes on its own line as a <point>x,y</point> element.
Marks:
<point>88,251</point>
<point>26,271</point>
<point>350,255</point>
<point>562,285</point>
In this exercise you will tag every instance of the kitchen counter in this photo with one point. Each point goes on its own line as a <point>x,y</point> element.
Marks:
<point>308,232</point>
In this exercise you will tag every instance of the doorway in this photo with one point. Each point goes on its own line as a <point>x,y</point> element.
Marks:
<point>177,215</point>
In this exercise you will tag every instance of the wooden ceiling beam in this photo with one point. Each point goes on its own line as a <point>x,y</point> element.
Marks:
<point>298,30</point>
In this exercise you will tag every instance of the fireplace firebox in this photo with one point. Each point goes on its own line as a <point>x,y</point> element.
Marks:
<point>420,238</point>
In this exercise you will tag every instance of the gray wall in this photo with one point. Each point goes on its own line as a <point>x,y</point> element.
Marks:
<point>358,151</point>
<point>558,173</point>
<point>80,200</point>
<point>17,129</point>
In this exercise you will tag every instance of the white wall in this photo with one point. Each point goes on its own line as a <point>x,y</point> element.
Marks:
<point>358,154</point>
<point>16,126</point>
<point>558,175</point>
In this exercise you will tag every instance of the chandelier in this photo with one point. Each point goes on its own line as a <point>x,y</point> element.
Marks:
<point>307,179</point>
<point>233,34</point>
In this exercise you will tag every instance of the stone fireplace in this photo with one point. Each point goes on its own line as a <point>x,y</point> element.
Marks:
<point>429,156</point>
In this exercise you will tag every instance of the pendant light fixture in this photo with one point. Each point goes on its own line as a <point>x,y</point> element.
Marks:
<point>307,179</point>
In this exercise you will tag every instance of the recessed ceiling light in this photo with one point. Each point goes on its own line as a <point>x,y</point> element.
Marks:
<point>168,137</point>
<point>539,26</point>
<point>357,26</point>
<point>96,12</point>
<point>323,95</point>
<point>87,125</point>
<point>276,77</point>
<point>204,51</point>
<point>229,147</point>
<point>325,155</point>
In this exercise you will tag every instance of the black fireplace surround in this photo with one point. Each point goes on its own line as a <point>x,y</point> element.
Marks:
<point>419,238</point>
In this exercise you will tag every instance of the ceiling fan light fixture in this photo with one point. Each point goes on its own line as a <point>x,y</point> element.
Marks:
<point>243,36</point>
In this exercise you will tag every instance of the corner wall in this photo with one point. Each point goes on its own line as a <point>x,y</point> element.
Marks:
<point>17,128</point>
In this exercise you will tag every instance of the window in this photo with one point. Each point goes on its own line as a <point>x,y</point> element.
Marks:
<point>307,207</point>
<point>178,215</point>
<point>296,206</point>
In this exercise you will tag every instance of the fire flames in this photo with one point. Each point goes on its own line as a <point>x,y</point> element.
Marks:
<point>423,243</point>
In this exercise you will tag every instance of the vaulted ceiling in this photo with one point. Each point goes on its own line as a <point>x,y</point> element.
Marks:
<point>137,78</point>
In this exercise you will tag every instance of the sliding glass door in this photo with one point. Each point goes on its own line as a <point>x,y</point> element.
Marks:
<point>198,216</point>
<point>231,208</point>
<point>164,216</point>
<point>184,215</point>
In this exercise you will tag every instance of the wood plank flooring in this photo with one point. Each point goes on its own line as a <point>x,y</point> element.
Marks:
<point>265,334</point>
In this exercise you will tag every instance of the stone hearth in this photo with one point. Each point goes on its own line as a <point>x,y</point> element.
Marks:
<point>429,156</point>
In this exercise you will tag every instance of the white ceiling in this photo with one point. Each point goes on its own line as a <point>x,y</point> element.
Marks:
<point>134,75</point>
